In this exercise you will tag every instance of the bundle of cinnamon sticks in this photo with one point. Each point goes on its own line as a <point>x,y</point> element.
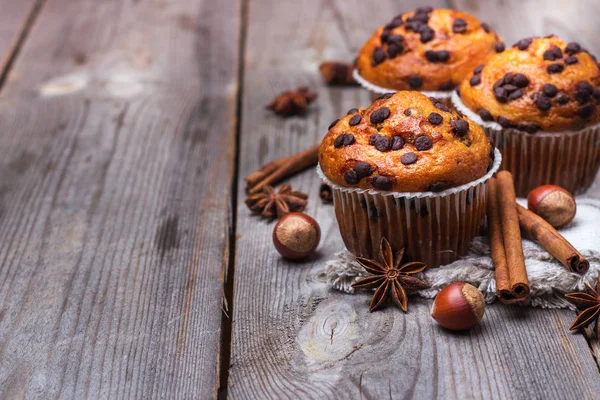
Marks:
<point>506,220</point>
<point>277,170</point>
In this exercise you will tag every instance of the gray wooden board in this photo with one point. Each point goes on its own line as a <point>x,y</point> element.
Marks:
<point>295,338</point>
<point>117,135</point>
<point>13,22</point>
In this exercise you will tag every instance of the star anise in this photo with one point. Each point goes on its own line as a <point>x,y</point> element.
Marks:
<point>292,102</point>
<point>325,193</point>
<point>590,304</point>
<point>270,203</point>
<point>390,277</point>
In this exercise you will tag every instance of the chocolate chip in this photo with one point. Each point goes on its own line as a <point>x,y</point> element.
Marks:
<point>517,94</point>
<point>447,85</point>
<point>587,111</point>
<point>382,182</point>
<point>424,9</point>
<point>423,143</point>
<point>562,99</point>
<point>542,103</point>
<point>418,17</point>
<point>395,39</point>
<point>499,47</point>
<point>384,36</point>
<point>486,27</point>
<point>438,186</point>
<point>555,68</point>
<point>339,141</point>
<point>475,80</point>
<point>571,60</point>
<point>397,143</point>
<point>550,90</point>
<point>435,118</point>
<point>380,142</point>
<point>415,81</point>
<point>352,111</point>
<point>333,124</point>
<point>520,80</point>
<point>443,55</point>
<point>597,95</point>
<point>584,88</point>
<point>439,105</point>
<point>388,95</point>
<point>380,115</point>
<point>529,128</point>
<point>459,25</point>
<point>351,177</point>
<point>505,122</point>
<point>523,44</point>
<point>396,22</point>
<point>460,127</point>
<point>427,36</point>
<point>508,77</point>
<point>378,56</point>
<point>355,120</point>
<point>431,56</point>
<point>478,69</point>
<point>363,169</point>
<point>572,48</point>
<point>349,139</point>
<point>485,115</point>
<point>552,54</point>
<point>409,158</point>
<point>395,49</point>
<point>345,139</point>
<point>501,94</point>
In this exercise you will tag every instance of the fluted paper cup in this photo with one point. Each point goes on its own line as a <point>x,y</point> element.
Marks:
<point>432,227</point>
<point>377,91</point>
<point>568,159</point>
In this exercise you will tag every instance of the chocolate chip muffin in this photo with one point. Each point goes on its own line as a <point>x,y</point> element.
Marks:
<point>540,102</point>
<point>410,169</point>
<point>426,50</point>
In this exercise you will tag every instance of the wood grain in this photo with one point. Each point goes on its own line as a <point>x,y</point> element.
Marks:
<point>117,130</point>
<point>295,338</point>
<point>15,17</point>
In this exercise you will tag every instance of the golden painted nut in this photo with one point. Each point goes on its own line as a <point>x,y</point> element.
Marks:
<point>296,236</point>
<point>458,307</point>
<point>553,203</point>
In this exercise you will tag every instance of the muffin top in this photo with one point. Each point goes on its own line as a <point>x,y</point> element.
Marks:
<point>404,142</point>
<point>429,49</point>
<point>539,83</point>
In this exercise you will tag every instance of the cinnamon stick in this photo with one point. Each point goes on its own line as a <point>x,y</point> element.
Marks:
<point>503,290</point>
<point>511,234</point>
<point>281,169</point>
<point>542,232</point>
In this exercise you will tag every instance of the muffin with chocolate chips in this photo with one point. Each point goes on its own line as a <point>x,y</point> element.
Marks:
<point>409,169</point>
<point>540,103</point>
<point>429,50</point>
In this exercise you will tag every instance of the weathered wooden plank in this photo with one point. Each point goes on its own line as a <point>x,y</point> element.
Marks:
<point>117,134</point>
<point>14,22</point>
<point>292,336</point>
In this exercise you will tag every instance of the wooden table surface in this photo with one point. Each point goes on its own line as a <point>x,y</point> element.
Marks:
<point>129,265</point>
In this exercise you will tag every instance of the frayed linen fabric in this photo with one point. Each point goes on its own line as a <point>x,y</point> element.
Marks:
<point>549,280</point>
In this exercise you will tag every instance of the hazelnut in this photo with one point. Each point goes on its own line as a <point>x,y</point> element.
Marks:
<point>296,236</point>
<point>553,203</point>
<point>458,306</point>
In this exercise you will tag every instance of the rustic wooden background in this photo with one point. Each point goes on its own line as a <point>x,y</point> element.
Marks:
<point>129,266</point>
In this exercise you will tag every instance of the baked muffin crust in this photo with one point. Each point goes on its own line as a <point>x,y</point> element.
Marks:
<point>404,142</point>
<point>538,84</point>
<point>429,49</point>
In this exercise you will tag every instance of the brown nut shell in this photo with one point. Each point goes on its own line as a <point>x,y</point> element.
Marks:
<point>553,203</point>
<point>458,307</point>
<point>296,236</point>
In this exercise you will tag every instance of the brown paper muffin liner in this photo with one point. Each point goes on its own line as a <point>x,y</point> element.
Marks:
<point>434,228</point>
<point>568,159</point>
<point>377,91</point>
